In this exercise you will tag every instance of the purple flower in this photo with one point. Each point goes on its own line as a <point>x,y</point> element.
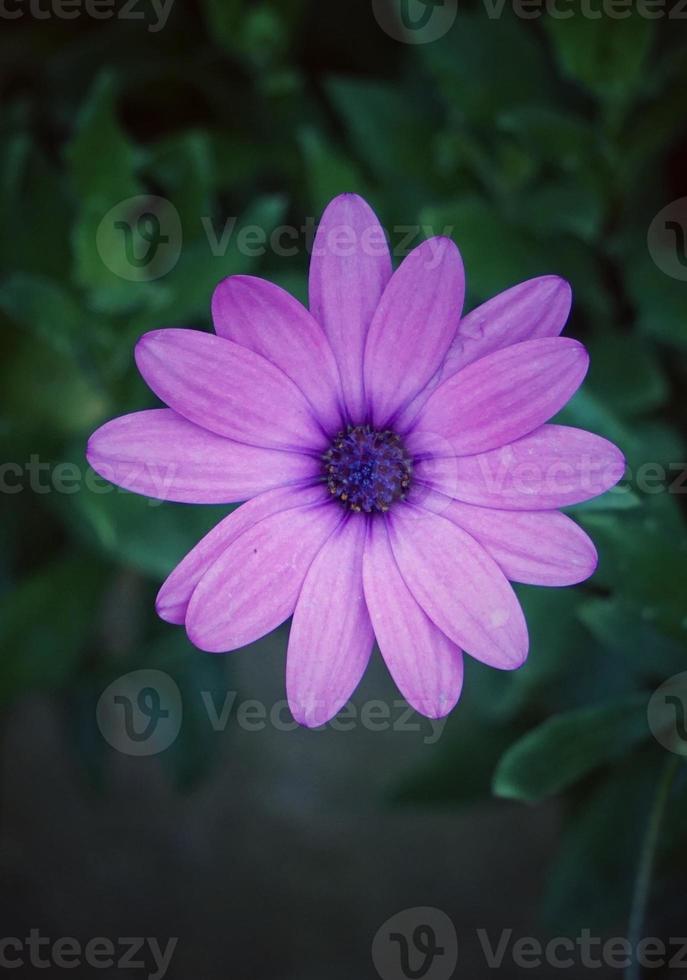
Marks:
<point>396,459</point>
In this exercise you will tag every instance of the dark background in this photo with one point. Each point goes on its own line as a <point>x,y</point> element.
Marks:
<point>545,146</point>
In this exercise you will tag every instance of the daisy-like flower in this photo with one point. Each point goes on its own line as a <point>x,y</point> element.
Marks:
<point>396,459</point>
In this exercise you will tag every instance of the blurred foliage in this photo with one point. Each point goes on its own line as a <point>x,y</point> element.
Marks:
<point>541,146</point>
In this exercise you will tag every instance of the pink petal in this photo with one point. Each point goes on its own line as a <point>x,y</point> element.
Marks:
<point>505,395</point>
<point>227,389</point>
<point>268,320</point>
<point>254,584</point>
<point>426,666</point>
<point>553,467</point>
<point>161,454</point>
<point>175,594</point>
<point>413,327</point>
<point>536,308</point>
<point>460,587</point>
<point>331,635</point>
<point>537,548</point>
<point>349,269</point>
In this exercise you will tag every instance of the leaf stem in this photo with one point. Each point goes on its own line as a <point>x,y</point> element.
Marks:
<point>647,862</point>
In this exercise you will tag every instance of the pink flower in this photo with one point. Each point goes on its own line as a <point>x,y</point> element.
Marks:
<point>396,460</point>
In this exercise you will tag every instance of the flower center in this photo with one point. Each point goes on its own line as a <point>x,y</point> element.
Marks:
<point>367,470</point>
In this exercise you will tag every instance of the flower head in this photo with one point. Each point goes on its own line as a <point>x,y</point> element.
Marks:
<point>397,463</point>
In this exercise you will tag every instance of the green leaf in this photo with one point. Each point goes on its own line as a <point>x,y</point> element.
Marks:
<point>496,252</point>
<point>594,870</point>
<point>103,166</point>
<point>35,206</point>
<point>570,207</point>
<point>567,747</point>
<point>644,561</point>
<point>661,301</point>
<point>44,624</point>
<point>622,629</point>
<point>550,136</point>
<point>605,54</point>
<point>329,171</point>
<point>632,384</point>
<point>485,72</point>
<point>47,392</point>
<point>185,167</point>
<point>387,127</point>
<point>45,308</point>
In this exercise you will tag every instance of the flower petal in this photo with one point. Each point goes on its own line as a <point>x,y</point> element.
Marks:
<point>505,395</point>
<point>426,666</point>
<point>535,308</point>
<point>268,320</point>
<point>413,327</point>
<point>349,270</point>
<point>161,454</point>
<point>331,635</point>
<point>534,547</point>
<point>553,467</point>
<point>174,596</point>
<point>254,584</point>
<point>227,389</point>
<point>460,587</point>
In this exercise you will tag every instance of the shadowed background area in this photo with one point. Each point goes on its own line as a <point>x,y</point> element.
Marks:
<point>144,158</point>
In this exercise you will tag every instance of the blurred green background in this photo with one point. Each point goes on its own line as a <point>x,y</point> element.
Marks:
<point>542,145</point>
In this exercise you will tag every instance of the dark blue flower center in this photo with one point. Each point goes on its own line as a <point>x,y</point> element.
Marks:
<point>367,470</point>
